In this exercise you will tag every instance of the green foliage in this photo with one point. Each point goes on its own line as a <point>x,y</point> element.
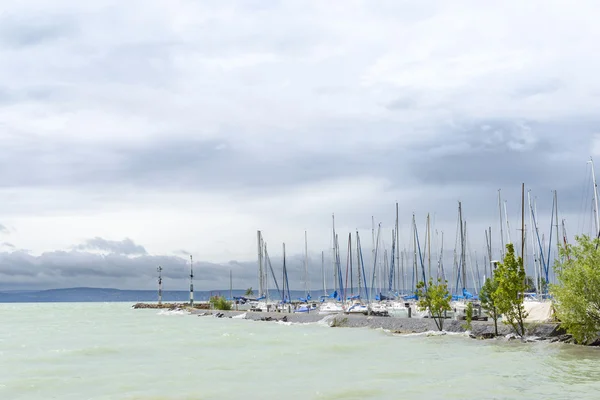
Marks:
<point>577,294</point>
<point>509,297</point>
<point>220,303</point>
<point>530,284</point>
<point>487,296</point>
<point>469,316</point>
<point>543,283</point>
<point>249,292</point>
<point>435,298</point>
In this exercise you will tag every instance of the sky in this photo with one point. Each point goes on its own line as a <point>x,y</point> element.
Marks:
<point>134,134</point>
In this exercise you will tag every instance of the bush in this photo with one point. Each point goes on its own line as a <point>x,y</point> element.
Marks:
<point>220,303</point>
<point>577,295</point>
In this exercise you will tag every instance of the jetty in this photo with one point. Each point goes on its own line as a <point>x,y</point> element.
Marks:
<point>172,306</point>
<point>479,329</point>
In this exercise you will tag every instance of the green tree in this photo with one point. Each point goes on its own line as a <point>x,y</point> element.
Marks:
<point>487,296</point>
<point>220,303</point>
<point>249,292</point>
<point>510,292</point>
<point>577,294</point>
<point>435,298</point>
<point>468,316</point>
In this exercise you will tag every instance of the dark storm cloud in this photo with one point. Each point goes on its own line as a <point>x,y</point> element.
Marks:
<point>493,155</point>
<point>124,247</point>
<point>55,269</point>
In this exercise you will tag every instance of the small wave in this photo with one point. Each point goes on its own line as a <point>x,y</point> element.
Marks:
<point>173,312</point>
<point>241,316</point>
<point>434,333</point>
<point>327,320</point>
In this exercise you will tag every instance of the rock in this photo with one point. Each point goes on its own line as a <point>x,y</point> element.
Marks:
<point>284,319</point>
<point>532,339</point>
<point>595,343</point>
<point>472,336</point>
<point>487,335</point>
<point>565,338</point>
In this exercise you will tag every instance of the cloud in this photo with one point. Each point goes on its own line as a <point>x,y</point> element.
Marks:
<point>122,247</point>
<point>56,269</point>
<point>4,229</point>
<point>284,114</point>
<point>25,31</point>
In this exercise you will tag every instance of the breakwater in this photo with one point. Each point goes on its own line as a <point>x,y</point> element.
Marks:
<point>479,329</point>
<point>173,306</point>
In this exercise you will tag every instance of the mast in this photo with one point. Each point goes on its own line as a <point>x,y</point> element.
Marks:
<point>507,223</point>
<point>564,234</point>
<point>415,272</point>
<point>159,269</point>
<point>556,225</point>
<point>397,247</point>
<point>375,263</point>
<point>488,242</point>
<point>333,259</point>
<point>523,226</point>
<point>286,283</point>
<point>350,258</point>
<point>323,272</point>
<point>306,288</point>
<point>191,281</point>
<point>440,266</point>
<point>230,285</point>
<point>429,244</point>
<point>266,273</point>
<point>595,198</point>
<point>403,282</point>
<point>259,241</point>
<point>462,248</point>
<point>501,223</point>
<point>535,258</point>
<point>358,264</point>
<point>392,271</point>
<point>373,237</point>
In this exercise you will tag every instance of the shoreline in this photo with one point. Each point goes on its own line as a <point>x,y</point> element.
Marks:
<point>551,332</point>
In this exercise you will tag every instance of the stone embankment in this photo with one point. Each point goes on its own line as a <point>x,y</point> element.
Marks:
<point>173,306</point>
<point>479,329</point>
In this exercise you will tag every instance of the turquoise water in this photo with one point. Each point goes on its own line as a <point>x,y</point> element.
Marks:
<point>110,351</point>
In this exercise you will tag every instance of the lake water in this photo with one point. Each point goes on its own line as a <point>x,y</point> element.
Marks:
<point>110,351</point>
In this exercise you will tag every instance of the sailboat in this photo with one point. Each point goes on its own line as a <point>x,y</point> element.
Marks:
<point>330,303</point>
<point>306,305</point>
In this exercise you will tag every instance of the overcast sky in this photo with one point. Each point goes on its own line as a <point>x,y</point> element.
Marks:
<point>135,133</point>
